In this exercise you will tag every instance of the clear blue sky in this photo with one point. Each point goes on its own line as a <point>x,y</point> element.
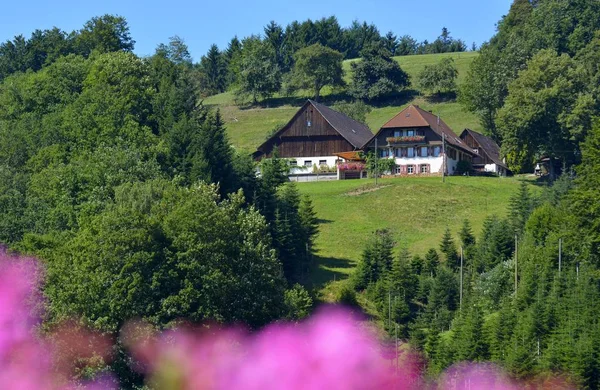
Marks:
<point>201,23</point>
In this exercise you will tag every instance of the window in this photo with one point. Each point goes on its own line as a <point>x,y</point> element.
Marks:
<point>398,152</point>
<point>308,163</point>
<point>397,133</point>
<point>410,169</point>
<point>384,153</point>
<point>322,162</point>
<point>423,151</point>
<point>293,163</point>
<point>410,152</point>
<point>410,133</point>
<point>423,168</point>
<point>398,169</point>
<point>436,151</point>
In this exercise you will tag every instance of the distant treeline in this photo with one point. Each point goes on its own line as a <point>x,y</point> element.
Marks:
<point>286,41</point>
<point>218,70</point>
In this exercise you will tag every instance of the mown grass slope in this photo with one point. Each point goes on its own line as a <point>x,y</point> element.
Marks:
<point>248,127</point>
<point>416,210</point>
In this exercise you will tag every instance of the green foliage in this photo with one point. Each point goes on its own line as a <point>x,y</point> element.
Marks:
<point>356,110</point>
<point>531,121</point>
<point>463,167</point>
<point>260,74</point>
<point>179,252</point>
<point>378,165</point>
<point>346,295</point>
<point>317,66</point>
<point>298,303</point>
<point>521,205</point>
<point>528,85</point>
<point>438,78</point>
<point>448,248</point>
<point>377,75</point>
<point>376,260</point>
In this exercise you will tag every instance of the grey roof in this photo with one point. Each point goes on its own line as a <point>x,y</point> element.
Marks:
<point>489,146</point>
<point>353,131</point>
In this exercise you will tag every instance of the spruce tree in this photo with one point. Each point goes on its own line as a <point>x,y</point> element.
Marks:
<point>432,260</point>
<point>520,206</point>
<point>214,68</point>
<point>448,248</point>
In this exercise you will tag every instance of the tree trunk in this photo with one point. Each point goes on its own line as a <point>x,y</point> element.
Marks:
<point>317,92</point>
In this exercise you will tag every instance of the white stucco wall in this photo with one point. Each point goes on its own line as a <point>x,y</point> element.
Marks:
<point>490,168</point>
<point>435,163</point>
<point>315,161</point>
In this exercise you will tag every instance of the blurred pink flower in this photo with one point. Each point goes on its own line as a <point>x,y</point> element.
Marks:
<point>329,351</point>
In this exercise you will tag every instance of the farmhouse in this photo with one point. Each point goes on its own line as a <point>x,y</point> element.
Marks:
<point>421,143</point>
<point>316,137</point>
<point>488,153</point>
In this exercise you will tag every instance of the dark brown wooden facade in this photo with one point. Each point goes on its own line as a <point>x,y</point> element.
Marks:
<point>315,130</point>
<point>307,135</point>
<point>482,157</point>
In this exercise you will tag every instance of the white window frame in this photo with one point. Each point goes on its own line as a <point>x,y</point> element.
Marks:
<point>423,168</point>
<point>293,163</point>
<point>410,169</point>
<point>308,163</point>
<point>322,162</point>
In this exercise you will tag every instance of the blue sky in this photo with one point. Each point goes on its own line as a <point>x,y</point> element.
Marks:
<point>201,23</point>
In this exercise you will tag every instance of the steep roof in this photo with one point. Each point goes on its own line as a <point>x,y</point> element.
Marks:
<point>489,146</point>
<point>353,131</point>
<point>356,133</point>
<point>414,116</point>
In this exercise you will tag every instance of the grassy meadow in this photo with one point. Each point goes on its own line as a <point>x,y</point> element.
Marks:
<point>248,127</point>
<point>416,210</point>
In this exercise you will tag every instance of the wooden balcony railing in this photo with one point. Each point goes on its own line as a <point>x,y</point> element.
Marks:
<point>406,139</point>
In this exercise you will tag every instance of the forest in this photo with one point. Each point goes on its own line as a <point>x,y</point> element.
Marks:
<point>116,176</point>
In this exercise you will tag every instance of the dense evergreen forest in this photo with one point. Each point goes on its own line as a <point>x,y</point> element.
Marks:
<point>128,189</point>
<point>525,291</point>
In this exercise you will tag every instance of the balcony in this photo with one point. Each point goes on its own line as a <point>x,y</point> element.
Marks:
<point>410,139</point>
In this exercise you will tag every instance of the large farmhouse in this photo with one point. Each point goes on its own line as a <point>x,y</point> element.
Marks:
<point>420,143</point>
<point>316,136</point>
<point>488,153</point>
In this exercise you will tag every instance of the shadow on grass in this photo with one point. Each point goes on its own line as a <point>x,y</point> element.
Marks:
<point>398,99</point>
<point>442,97</point>
<point>324,270</point>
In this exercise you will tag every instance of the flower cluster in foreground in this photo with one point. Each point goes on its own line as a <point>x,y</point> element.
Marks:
<point>331,350</point>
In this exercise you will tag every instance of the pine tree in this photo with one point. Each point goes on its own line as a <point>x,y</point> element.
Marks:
<point>448,248</point>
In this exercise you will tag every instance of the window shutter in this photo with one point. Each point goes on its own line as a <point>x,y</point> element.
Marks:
<point>428,168</point>
<point>429,151</point>
<point>404,152</point>
<point>403,169</point>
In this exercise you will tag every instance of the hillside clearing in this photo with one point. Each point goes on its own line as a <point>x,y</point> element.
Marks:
<point>416,210</point>
<point>248,127</point>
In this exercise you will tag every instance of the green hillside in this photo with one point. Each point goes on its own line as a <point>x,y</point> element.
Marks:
<point>417,210</point>
<point>248,127</point>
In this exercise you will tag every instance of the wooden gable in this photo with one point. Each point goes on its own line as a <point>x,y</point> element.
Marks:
<point>308,134</point>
